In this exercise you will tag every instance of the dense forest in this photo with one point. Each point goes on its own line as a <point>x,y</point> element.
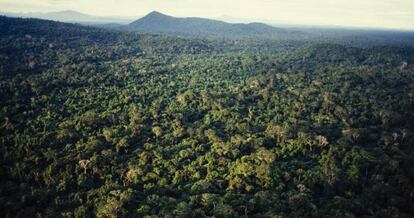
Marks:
<point>106,123</point>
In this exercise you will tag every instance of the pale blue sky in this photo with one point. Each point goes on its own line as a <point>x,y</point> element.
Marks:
<point>396,14</point>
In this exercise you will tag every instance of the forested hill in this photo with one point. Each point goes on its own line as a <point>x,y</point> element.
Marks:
<point>34,45</point>
<point>71,17</point>
<point>98,123</point>
<point>156,22</point>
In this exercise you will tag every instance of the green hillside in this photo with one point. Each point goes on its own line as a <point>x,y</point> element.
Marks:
<point>98,123</point>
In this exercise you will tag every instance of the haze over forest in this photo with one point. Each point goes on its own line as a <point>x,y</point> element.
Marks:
<point>395,14</point>
<point>170,109</point>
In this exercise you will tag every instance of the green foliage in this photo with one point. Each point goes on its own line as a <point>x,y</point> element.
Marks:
<point>113,124</point>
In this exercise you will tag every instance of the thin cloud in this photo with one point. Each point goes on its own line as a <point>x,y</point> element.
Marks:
<point>359,13</point>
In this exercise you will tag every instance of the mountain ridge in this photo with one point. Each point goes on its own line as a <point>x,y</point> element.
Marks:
<point>159,23</point>
<point>70,16</point>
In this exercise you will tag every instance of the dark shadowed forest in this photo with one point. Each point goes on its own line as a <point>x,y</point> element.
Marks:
<point>113,123</point>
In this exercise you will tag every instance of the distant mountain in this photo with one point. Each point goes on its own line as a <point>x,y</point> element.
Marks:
<point>230,19</point>
<point>156,22</point>
<point>70,16</point>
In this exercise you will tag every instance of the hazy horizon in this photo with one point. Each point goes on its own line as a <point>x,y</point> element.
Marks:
<point>396,14</point>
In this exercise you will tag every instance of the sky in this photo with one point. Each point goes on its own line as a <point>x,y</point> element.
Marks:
<point>393,14</point>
